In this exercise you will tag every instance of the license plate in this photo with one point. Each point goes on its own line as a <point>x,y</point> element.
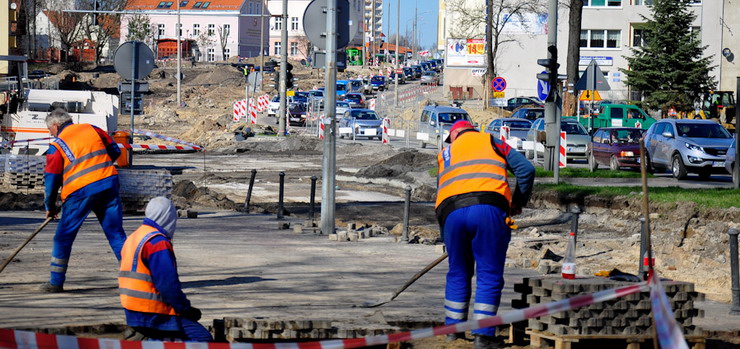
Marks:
<point>718,164</point>
<point>370,131</point>
<point>295,119</point>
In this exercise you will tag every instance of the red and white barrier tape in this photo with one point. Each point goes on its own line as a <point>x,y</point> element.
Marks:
<point>321,127</point>
<point>669,333</point>
<point>386,125</point>
<point>166,138</point>
<point>12,339</point>
<point>563,158</point>
<point>10,143</point>
<point>157,147</point>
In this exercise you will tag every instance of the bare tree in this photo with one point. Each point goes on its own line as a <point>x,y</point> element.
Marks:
<point>223,37</point>
<point>101,28</point>
<point>304,46</point>
<point>67,25</point>
<point>204,40</point>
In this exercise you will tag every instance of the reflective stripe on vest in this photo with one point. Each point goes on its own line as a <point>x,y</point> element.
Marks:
<point>135,285</point>
<point>470,164</point>
<point>85,158</point>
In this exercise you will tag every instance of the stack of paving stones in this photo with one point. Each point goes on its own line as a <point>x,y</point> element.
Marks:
<point>625,316</point>
<point>138,186</point>
<point>244,329</point>
<point>23,171</point>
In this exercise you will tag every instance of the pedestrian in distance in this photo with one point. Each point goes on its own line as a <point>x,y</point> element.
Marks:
<point>80,161</point>
<point>149,286</point>
<point>474,205</point>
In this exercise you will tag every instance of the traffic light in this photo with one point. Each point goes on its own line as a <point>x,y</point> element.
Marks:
<point>551,70</point>
<point>289,76</point>
<point>276,77</point>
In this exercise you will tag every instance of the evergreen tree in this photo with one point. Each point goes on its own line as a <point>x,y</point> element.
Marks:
<point>670,70</point>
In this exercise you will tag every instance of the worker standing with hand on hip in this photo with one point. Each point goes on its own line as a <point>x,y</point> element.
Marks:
<point>474,205</point>
<point>80,161</point>
<point>151,293</point>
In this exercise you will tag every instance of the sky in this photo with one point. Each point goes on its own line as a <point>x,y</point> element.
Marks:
<point>427,21</point>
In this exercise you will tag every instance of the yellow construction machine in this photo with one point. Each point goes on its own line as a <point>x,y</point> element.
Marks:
<point>715,105</point>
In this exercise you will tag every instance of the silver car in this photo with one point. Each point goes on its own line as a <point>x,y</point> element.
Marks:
<point>577,138</point>
<point>429,77</point>
<point>363,122</point>
<point>687,146</point>
<point>518,129</point>
<point>342,107</point>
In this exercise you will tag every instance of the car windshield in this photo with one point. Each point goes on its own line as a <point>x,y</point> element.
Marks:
<point>452,117</point>
<point>531,114</point>
<point>626,136</point>
<point>365,115</point>
<point>343,104</point>
<point>354,98</point>
<point>341,87</point>
<point>317,94</point>
<point>517,124</point>
<point>573,128</point>
<point>701,130</point>
<point>377,79</point>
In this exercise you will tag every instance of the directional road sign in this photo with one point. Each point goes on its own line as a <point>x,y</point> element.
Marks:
<point>543,88</point>
<point>590,95</point>
<point>498,84</point>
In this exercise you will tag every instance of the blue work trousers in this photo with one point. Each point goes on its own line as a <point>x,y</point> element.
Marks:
<point>107,207</point>
<point>477,238</point>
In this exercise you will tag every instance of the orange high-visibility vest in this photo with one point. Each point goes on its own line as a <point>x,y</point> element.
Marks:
<point>85,158</point>
<point>135,282</point>
<point>469,165</point>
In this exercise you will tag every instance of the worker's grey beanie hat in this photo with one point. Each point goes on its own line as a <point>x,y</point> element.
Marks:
<point>162,211</point>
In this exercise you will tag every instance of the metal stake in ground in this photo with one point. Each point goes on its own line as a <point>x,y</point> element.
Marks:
<point>312,199</point>
<point>280,195</point>
<point>249,191</point>
<point>735,273</point>
<point>17,250</point>
<point>406,209</point>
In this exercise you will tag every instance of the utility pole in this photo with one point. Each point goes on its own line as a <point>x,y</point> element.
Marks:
<point>329,162</point>
<point>372,33</point>
<point>262,38</point>
<point>552,104</point>
<point>413,46</point>
<point>398,32</point>
<point>179,55</point>
<point>283,70</point>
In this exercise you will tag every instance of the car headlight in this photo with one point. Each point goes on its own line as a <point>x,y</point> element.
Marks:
<point>694,147</point>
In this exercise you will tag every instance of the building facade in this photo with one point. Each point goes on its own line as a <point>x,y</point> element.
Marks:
<point>9,31</point>
<point>210,31</point>
<point>610,29</point>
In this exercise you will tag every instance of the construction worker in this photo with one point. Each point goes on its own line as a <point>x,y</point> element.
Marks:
<point>150,289</point>
<point>80,161</point>
<point>474,204</point>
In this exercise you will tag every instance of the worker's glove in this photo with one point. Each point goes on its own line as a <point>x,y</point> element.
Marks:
<point>191,313</point>
<point>52,213</point>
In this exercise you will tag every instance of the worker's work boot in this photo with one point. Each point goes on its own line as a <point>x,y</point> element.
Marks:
<point>454,336</point>
<point>48,287</point>
<point>486,342</point>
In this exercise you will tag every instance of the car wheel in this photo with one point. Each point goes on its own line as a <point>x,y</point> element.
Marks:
<point>592,164</point>
<point>677,168</point>
<point>649,167</point>
<point>423,145</point>
<point>613,164</point>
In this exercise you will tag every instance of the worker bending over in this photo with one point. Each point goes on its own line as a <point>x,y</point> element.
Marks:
<point>474,203</point>
<point>80,161</point>
<point>151,293</point>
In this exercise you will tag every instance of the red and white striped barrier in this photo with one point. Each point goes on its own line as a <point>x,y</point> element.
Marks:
<point>371,104</point>
<point>385,136</point>
<point>240,109</point>
<point>10,144</point>
<point>504,133</point>
<point>563,158</point>
<point>166,138</point>
<point>252,111</point>
<point>156,147</point>
<point>321,127</point>
<point>12,339</point>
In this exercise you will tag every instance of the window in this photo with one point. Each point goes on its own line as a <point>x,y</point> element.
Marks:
<point>644,2</point>
<point>183,3</point>
<point>205,4</point>
<point>251,8</point>
<point>599,38</point>
<point>179,30</point>
<point>294,23</point>
<point>165,4</point>
<point>211,29</point>
<point>160,30</point>
<point>198,4</point>
<point>277,47</point>
<point>639,37</point>
<point>226,30</point>
<point>602,3</point>
<point>278,23</point>
<point>227,53</point>
<point>196,29</point>
<point>211,55</point>
<point>293,48</point>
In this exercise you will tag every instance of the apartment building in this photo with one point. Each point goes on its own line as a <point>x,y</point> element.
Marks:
<point>610,29</point>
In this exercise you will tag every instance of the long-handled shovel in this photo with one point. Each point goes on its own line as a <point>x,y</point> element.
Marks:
<point>408,283</point>
<point>12,255</point>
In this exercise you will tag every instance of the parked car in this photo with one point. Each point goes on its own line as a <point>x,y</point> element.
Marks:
<point>417,71</point>
<point>618,115</point>
<point>518,129</point>
<point>342,87</point>
<point>730,159</point>
<point>615,147</point>
<point>300,97</point>
<point>355,100</point>
<point>435,122</point>
<point>297,114</point>
<point>273,106</point>
<point>341,108</point>
<point>687,146</point>
<point>401,77</point>
<point>356,85</point>
<point>367,87</point>
<point>530,114</point>
<point>516,102</point>
<point>430,78</point>
<point>316,98</point>
<point>363,122</point>
<point>409,73</point>
<point>378,82</point>
<point>577,138</point>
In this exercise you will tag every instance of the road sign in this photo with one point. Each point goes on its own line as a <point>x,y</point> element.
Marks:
<point>543,88</point>
<point>589,95</point>
<point>290,93</point>
<point>314,23</point>
<point>499,94</point>
<point>254,79</point>
<point>133,60</point>
<point>593,79</point>
<point>498,84</point>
